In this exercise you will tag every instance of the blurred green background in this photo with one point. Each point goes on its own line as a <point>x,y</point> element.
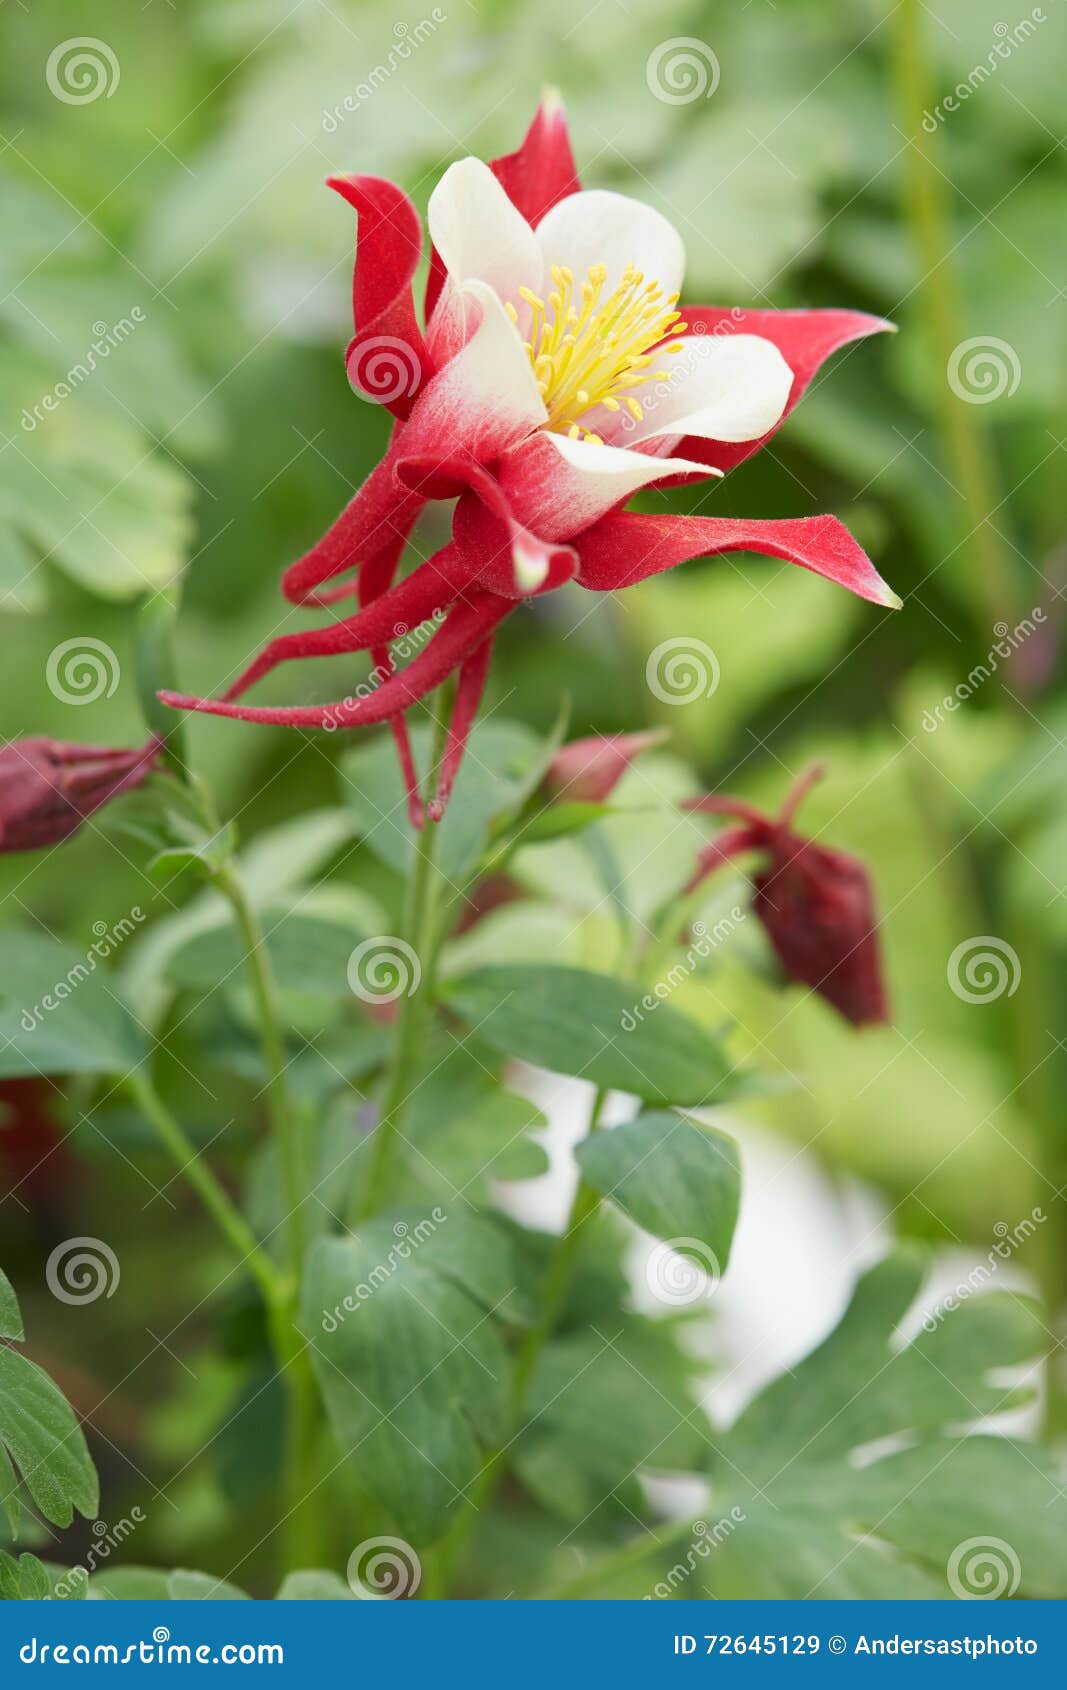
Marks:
<point>220,437</point>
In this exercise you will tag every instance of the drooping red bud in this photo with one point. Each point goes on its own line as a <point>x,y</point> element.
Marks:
<point>588,770</point>
<point>48,788</point>
<point>815,904</point>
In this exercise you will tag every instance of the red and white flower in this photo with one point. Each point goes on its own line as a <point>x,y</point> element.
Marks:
<point>557,375</point>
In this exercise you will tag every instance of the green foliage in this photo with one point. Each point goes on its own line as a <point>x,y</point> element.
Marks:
<point>214,438</point>
<point>41,1437</point>
<point>829,1513</point>
<point>57,1014</point>
<point>677,1180</point>
<point>576,1022</point>
<point>403,1324</point>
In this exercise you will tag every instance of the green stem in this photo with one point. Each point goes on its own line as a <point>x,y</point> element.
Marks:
<point>302,1537</point>
<point>925,208</point>
<point>421,933</point>
<point>301,1529</point>
<point>284,1125</point>
<point>223,1211</point>
<point>557,1283</point>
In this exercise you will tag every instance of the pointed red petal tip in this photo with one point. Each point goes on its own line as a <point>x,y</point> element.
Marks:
<point>542,171</point>
<point>628,546</point>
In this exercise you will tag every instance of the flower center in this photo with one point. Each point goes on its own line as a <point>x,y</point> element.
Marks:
<point>586,350</point>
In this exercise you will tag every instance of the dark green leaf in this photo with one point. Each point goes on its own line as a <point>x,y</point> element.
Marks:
<point>45,1441</point>
<point>491,783</point>
<point>412,1369</point>
<point>820,1522</point>
<point>679,1181</point>
<point>580,1023</point>
<point>10,1317</point>
<point>59,1013</point>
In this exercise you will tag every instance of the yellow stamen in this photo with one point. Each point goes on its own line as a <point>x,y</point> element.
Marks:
<point>586,351</point>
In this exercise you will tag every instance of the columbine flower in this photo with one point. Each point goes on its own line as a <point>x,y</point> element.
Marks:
<point>557,375</point>
<point>815,903</point>
<point>47,788</point>
<point>587,771</point>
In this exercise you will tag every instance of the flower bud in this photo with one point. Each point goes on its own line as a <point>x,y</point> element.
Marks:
<point>588,770</point>
<point>815,904</point>
<point>47,788</point>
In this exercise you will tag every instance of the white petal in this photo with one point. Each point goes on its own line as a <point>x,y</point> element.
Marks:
<point>598,227</point>
<point>719,387</point>
<point>486,399</point>
<point>557,486</point>
<point>479,233</point>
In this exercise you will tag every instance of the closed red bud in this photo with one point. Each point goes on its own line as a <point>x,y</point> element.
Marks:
<point>815,903</point>
<point>48,788</point>
<point>588,770</point>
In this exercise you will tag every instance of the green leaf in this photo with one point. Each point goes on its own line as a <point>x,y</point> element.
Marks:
<point>492,782</point>
<point>315,1585</point>
<point>576,1457</point>
<point>555,821</point>
<point>42,1437</point>
<point>309,953</point>
<point>24,1580</point>
<point>273,865</point>
<point>10,1315</point>
<point>131,1584</point>
<point>832,1505</point>
<point>679,1181</point>
<point>58,1014</point>
<point>184,1586</point>
<point>83,488</point>
<point>413,1371</point>
<point>465,1131</point>
<point>576,1022</point>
